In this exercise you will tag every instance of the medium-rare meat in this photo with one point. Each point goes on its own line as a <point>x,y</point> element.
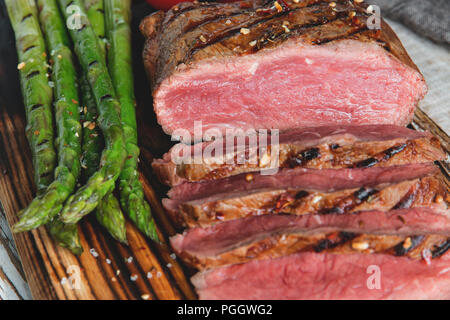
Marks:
<point>322,180</point>
<point>330,276</point>
<point>309,191</point>
<point>256,65</point>
<point>329,147</point>
<point>273,236</point>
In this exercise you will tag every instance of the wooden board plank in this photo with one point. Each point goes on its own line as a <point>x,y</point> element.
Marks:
<point>111,271</point>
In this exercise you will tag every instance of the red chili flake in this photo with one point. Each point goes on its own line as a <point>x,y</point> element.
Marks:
<point>70,113</point>
<point>129,156</point>
<point>37,132</point>
<point>74,101</point>
<point>284,200</point>
<point>333,236</point>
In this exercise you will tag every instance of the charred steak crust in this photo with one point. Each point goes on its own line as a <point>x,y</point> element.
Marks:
<point>336,242</point>
<point>329,148</point>
<point>192,32</point>
<point>428,191</point>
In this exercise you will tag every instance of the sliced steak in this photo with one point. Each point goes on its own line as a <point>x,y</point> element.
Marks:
<point>329,276</point>
<point>329,147</point>
<point>255,65</point>
<point>226,236</point>
<point>273,236</point>
<point>332,241</point>
<point>321,191</point>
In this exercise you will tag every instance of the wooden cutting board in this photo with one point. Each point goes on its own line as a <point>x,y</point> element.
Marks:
<point>107,269</point>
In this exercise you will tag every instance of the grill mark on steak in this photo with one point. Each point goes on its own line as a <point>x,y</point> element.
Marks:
<point>301,158</point>
<point>440,250</point>
<point>185,7</point>
<point>407,201</point>
<point>322,25</point>
<point>334,240</point>
<point>314,18</point>
<point>349,203</point>
<point>382,156</point>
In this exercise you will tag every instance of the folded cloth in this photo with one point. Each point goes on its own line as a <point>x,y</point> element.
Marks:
<point>429,18</point>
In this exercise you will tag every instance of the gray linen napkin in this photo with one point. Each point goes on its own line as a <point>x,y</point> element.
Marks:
<point>430,18</point>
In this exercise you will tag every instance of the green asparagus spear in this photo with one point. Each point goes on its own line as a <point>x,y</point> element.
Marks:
<point>44,208</point>
<point>86,199</point>
<point>36,90</point>
<point>119,58</point>
<point>93,142</point>
<point>66,235</point>
<point>95,13</point>
<point>110,215</point>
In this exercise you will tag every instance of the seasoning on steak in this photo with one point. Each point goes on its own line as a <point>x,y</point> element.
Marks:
<point>310,275</point>
<point>273,236</point>
<point>246,66</point>
<point>329,147</point>
<point>306,191</point>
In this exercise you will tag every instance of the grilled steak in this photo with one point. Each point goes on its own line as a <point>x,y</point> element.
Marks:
<point>258,64</point>
<point>311,275</point>
<point>272,236</point>
<point>329,147</point>
<point>307,191</point>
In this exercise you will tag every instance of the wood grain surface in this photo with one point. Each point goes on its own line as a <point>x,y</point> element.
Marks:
<point>107,269</point>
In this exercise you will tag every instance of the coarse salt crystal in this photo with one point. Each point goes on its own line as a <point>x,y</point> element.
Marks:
<point>245,31</point>
<point>360,245</point>
<point>134,278</point>
<point>158,274</point>
<point>108,261</point>
<point>94,253</point>
<point>145,296</point>
<point>426,255</point>
<point>149,275</point>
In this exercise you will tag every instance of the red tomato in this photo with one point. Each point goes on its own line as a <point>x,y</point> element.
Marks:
<point>167,4</point>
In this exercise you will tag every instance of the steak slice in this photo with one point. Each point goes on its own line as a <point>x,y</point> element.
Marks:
<point>323,276</point>
<point>273,236</point>
<point>316,191</point>
<point>329,147</point>
<point>249,65</point>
